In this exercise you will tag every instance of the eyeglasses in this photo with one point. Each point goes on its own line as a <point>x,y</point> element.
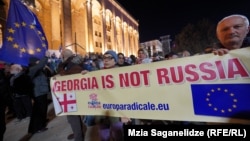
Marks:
<point>108,58</point>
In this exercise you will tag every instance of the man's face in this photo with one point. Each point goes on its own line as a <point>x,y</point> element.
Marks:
<point>231,32</point>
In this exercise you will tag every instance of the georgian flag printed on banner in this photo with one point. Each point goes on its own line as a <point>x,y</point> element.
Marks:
<point>67,102</point>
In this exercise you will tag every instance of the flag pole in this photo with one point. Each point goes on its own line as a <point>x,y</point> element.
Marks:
<point>75,43</point>
<point>3,19</point>
<point>60,36</point>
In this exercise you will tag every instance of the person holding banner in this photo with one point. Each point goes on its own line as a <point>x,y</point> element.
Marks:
<point>72,64</point>
<point>143,57</point>
<point>108,128</point>
<point>122,60</point>
<point>232,33</point>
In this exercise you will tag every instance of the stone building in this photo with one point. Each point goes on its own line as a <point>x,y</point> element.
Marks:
<point>153,47</point>
<point>86,26</point>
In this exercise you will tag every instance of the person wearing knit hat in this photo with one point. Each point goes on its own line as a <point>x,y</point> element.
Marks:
<point>113,54</point>
<point>109,128</point>
<point>110,59</point>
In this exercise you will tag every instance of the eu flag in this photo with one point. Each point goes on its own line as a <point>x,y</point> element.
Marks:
<point>222,100</point>
<point>24,36</point>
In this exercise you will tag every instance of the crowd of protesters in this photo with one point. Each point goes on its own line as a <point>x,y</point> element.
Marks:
<point>26,88</point>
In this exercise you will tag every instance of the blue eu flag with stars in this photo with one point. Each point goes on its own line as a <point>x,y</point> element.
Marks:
<point>24,36</point>
<point>222,100</point>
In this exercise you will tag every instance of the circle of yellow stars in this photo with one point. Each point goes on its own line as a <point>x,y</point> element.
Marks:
<point>15,45</point>
<point>214,106</point>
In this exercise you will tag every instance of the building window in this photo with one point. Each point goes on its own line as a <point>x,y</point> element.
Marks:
<point>96,44</point>
<point>109,39</point>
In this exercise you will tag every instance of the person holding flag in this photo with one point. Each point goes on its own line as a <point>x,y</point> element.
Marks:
<point>24,39</point>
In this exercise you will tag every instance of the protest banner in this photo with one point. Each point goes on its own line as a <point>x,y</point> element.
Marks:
<point>206,88</point>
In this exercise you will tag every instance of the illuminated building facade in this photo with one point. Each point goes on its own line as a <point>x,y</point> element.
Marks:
<point>85,26</point>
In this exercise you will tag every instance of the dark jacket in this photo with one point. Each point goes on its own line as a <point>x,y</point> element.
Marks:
<point>3,87</point>
<point>22,84</point>
<point>39,78</point>
<point>123,65</point>
<point>72,65</point>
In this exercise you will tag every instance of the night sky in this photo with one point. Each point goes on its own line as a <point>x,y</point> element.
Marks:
<point>164,17</point>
